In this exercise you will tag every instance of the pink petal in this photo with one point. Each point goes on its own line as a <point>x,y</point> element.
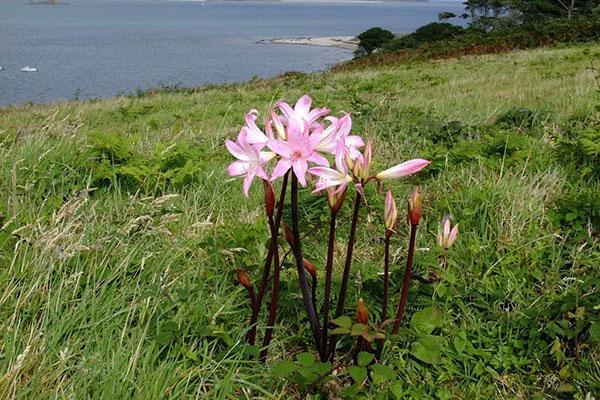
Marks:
<point>406,168</point>
<point>281,168</point>
<point>237,151</point>
<point>345,125</point>
<point>316,114</point>
<point>247,182</point>
<point>326,173</point>
<point>453,235</point>
<point>300,167</point>
<point>318,159</point>
<point>237,168</point>
<point>280,147</point>
<point>303,104</point>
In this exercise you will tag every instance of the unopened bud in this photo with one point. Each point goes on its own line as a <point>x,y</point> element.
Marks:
<point>336,200</point>
<point>415,207</point>
<point>310,268</point>
<point>362,314</point>
<point>288,234</point>
<point>244,279</point>
<point>447,236</point>
<point>390,213</point>
<point>269,198</point>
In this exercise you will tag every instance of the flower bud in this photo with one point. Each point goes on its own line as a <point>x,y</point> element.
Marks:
<point>310,268</point>
<point>288,234</point>
<point>335,200</point>
<point>447,236</point>
<point>390,212</point>
<point>415,207</point>
<point>269,198</point>
<point>244,279</point>
<point>362,314</point>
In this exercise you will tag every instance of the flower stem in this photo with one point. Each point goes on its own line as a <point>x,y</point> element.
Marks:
<point>386,278</point>
<point>297,248</point>
<point>346,276</point>
<point>407,278</point>
<point>274,298</point>
<point>251,338</point>
<point>328,274</point>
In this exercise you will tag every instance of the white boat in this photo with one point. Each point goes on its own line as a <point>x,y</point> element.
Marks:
<point>1,68</point>
<point>27,68</point>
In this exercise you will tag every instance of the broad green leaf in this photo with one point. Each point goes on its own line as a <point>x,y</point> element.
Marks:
<point>365,358</point>
<point>359,374</point>
<point>343,321</point>
<point>283,369</point>
<point>384,371</point>
<point>340,331</point>
<point>306,359</point>
<point>358,329</point>
<point>595,331</point>
<point>426,320</point>
<point>321,368</point>
<point>427,349</point>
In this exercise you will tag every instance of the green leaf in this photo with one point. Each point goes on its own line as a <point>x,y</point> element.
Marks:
<point>283,369</point>
<point>384,371</point>
<point>359,374</point>
<point>365,358</point>
<point>306,359</point>
<point>321,368</point>
<point>426,320</point>
<point>427,349</point>
<point>340,331</point>
<point>358,329</point>
<point>595,331</point>
<point>343,321</point>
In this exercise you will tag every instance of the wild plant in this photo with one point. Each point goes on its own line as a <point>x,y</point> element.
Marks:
<point>304,147</point>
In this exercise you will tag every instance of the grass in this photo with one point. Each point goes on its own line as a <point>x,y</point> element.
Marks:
<point>121,234</point>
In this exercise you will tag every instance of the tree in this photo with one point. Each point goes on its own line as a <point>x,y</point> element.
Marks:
<point>373,39</point>
<point>445,16</point>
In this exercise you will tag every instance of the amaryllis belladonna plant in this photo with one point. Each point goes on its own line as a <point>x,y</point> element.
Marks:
<point>302,146</point>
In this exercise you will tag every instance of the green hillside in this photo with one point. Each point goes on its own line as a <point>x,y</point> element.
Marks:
<point>120,234</point>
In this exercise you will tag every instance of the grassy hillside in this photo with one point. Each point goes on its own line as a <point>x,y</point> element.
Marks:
<point>120,234</point>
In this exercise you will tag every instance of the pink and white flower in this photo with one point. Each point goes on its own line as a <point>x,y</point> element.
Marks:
<point>297,151</point>
<point>404,169</point>
<point>301,113</point>
<point>250,159</point>
<point>330,178</point>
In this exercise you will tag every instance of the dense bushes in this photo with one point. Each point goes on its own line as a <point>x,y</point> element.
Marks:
<point>428,33</point>
<point>477,41</point>
<point>372,39</point>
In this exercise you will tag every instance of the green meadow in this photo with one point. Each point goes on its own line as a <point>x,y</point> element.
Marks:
<point>120,234</point>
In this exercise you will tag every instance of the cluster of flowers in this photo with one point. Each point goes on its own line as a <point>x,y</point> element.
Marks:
<point>302,139</point>
<point>311,145</point>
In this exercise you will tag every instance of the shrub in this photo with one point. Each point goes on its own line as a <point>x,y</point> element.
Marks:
<point>373,39</point>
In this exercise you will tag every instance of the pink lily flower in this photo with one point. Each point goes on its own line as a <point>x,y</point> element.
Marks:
<point>447,237</point>
<point>301,113</point>
<point>352,142</point>
<point>255,134</point>
<point>297,151</point>
<point>406,168</point>
<point>250,159</point>
<point>330,178</point>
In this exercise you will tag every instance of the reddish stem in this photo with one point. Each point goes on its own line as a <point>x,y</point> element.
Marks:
<point>274,299</point>
<point>407,278</point>
<point>386,275</point>
<point>251,338</point>
<point>297,248</point>
<point>328,274</point>
<point>346,276</point>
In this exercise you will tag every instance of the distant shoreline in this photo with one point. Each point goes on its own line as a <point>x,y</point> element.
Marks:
<point>341,42</point>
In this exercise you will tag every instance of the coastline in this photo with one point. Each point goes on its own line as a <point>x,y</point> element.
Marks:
<point>341,42</point>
